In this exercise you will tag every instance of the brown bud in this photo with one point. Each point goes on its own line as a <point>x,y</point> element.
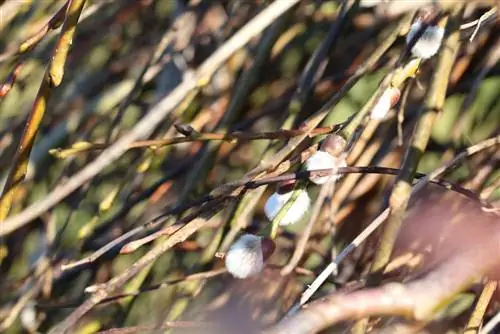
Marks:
<point>184,129</point>
<point>334,144</point>
<point>268,247</point>
<point>285,186</point>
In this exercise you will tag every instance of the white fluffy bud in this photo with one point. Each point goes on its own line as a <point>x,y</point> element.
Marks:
<point>246,256</point>
<point>429,42</point>
<point>296,211</point>
<point>388,99</point>
<point>324,160</point>
<point>28,317</point>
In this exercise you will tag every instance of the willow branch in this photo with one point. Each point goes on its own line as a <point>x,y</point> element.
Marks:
<point>418,300</point>
<point>402,190</point>
<point>209,202</point>
<point>81,147</point>
<point>382,217</point>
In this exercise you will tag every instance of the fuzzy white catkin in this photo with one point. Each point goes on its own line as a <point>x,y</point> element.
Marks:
<point>383,105</point>
<point>245,258</point>
<point>296,211</point>
<point>429,42</point>
<point>28,317</point>
<point>324,160</point>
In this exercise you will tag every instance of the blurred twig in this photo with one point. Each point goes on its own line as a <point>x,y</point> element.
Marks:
<point>419,299</point>
<point>195,136</point>
<point>476,317</point>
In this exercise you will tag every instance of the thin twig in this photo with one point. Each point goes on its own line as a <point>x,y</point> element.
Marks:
<point>53,23</point>
<point>198,136</point>
<point>477,23</point>
<point>155,222</point>
<point>7,85</point>
<point>298,176</point>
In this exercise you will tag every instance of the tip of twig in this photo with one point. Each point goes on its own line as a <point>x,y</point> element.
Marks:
<point>129,248</point>
<point>92,288</point>
<point>77,147</point>
<point>185,129</point>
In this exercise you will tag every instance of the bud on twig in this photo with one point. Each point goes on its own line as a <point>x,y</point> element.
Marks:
<point>330,156</point>
<point>184,129</point>
<point>28,317</point>
<point>429,42</point>
<point>296,211</point>
<point>388,100</point>
<point>246,256</point>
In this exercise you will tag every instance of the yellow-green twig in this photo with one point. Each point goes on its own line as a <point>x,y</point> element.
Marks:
<point>402,190</point>
<point>52,78</point>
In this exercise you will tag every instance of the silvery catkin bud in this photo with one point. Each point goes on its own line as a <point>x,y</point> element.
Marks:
<point>246,256</point>
<point>388,100</point>
<point>429,42</point>
<point>296,211</point>
<point>28,317</point>
<point>330,156</point>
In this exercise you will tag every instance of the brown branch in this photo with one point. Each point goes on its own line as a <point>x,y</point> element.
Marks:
<point>163,326</point>
<point>209,202</point>
<point>321,314</point>
<point>52,24</point>
<point>419,299</point>
<point>118,281</point>
<point>194,137</point>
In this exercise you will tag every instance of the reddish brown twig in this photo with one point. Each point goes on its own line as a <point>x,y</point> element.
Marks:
<point>7,85</point>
